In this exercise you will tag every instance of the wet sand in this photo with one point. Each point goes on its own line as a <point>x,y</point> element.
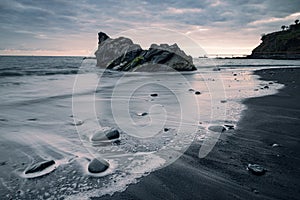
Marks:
<point>222,174</point>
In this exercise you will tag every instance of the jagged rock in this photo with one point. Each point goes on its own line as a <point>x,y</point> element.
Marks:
<point>39,166</point>
<point>256,169</point>
<point>112,50</point>
<point>98,166</point>
<point>105,134</point>
<point>102,37</point>
<point>122,54</point>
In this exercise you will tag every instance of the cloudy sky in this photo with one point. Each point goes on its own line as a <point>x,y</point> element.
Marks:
<point>64,27</point>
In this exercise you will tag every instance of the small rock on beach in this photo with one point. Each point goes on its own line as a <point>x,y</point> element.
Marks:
<point>98,166</point>
<point>256,169</point>
<point>217,128</point>
<point>38,167</point>
<point>106,133</point>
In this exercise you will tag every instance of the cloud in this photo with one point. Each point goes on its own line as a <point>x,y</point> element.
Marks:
<point>183,10</point>
<point>61,23</point>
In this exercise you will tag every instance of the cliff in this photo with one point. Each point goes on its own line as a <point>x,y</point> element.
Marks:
<point>279,45</point>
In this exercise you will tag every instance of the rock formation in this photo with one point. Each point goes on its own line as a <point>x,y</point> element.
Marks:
<point>122,54</point>
<point>279,45</point>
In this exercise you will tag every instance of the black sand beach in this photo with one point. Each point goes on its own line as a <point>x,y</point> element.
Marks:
<point>223,173</point>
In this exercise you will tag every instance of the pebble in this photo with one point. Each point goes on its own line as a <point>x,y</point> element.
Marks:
<point>275,145</point>
<point>154,95</point>
<point>229,126</point>
<point>39,166</point>
<point>197,93</point>
<point>142,114</point>
<point>97,166</point>
<point>106,133</point>
<point>256,169</point>
<point>217,128</point>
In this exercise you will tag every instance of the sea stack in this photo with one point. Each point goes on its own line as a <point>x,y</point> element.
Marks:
<point>121,54</point>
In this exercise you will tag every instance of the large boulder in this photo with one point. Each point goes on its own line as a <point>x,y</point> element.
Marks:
<point>122,54</point>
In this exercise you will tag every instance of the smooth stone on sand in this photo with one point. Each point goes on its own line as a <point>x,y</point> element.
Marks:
<point>142,114</point>
<point>191,90</point>
<point>38,167</point>
<point>256,169</point>
<point>197,93</point>
<point>154,95</point>
<point>77,122</point>
<point>106,133</point>
<point>98,166</point>
<point>166,129</point>
<point>217,128</point>
<point>223,101</point>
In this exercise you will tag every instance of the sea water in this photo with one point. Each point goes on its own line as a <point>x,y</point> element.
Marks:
<point>51,106</point>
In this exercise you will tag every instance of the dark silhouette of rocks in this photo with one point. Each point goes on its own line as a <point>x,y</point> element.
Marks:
<point>122,54</point>
<point>283,44</point>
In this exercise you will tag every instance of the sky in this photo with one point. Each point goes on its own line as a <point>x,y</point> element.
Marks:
<point>65,27</point>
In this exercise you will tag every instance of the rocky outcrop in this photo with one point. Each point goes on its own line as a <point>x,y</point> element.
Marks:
<point>122,54</point>
<point>279,45</point>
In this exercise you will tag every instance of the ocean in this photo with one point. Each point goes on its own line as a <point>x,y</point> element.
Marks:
<point>52,106</point>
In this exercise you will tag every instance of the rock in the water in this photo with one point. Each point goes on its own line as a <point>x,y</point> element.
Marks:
<point>111,50</point>
<point>122,54</point>
<point>217,128</point>
<point>98,166</point>
<point>39,166</point>
<point>256,169</point>
<point>154,95</point>
<point>105,134</point>
<point>197,93</point>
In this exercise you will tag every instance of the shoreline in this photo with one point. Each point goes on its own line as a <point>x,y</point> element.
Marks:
<point>222,173</point>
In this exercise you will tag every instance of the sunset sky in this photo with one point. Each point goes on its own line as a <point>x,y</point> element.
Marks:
<point>63,27</point>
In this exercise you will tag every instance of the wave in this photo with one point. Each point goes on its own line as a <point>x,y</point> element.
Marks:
<point>37,73</point>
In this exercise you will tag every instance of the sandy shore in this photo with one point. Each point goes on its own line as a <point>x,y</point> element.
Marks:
<point>222,174</point>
